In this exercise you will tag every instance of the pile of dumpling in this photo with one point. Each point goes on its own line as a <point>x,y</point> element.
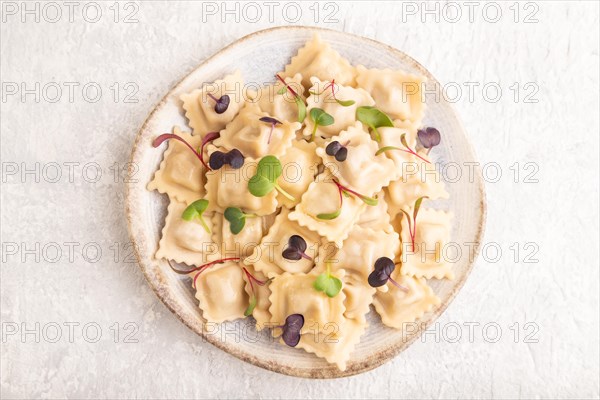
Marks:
<point>258,277</point>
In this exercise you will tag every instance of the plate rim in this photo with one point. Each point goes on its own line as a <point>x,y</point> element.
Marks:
<point>373,361</point>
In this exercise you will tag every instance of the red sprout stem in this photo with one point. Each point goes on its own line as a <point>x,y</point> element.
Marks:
<point>210,136</point>
<point>271,132</point>
<point>412,229</point>
<point>411,151</point>
<point>166,136</point>
<point>304,255</point>
<point>345,189</point>
<point>253,278</point>
<point>201,268</point>
<point>287,86</point>
<point>399,286</point>
<point>213,97</point>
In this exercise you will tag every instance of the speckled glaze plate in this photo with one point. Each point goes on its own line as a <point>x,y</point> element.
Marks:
<point>259,56</point>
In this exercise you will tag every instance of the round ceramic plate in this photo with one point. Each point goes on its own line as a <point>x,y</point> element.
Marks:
<point>259,56</point>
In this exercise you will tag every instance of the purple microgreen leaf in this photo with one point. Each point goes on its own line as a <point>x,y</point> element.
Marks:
<point>291,329</point>
<point>221,104</point>
<point>429,137</point>
<point>271,121</point>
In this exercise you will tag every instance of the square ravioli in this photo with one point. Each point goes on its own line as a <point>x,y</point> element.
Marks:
<point>181,174</point>
<point>241,244</point>
<point>337,344</point>
<point>220,290</point>
<point>398,308</point>
<point>228,187</point>
<point>281,106</point>
<point>300,166</point>
<point>269,258</point>
<point>199,106</point>
<point>357,258</point>
<point>362,170</point>
<point>255,138</point>
<point>323,198</point>
<point>431,235</point>
<point>396,93</point>
<point>184,241</point>
<point>317,58</point>
<point>392,136</point>
<point>295,294</point>
<point>376,217</point>
<point>322,96</point>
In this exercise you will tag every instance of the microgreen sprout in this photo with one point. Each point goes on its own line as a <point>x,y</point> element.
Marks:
<point>296,249</point>
<point>167,136</point>
<point>222,103</point>
<point>406,149</point>
<point>234,158</point>
<point>319,118</point>
<point>343,103</point>
<point>209,137</point>
<point>236,218</point>
<point>429,138</point>
<point>291,329</point>
<point>412,225</point>
<point>297,98</point>
<point>265,180</point>
<point>328,283</point>
<point>271,121</point>
<point>195,211</point>
<point>202,268</point>
<point>346,191</point>
<point>337,150</point>
<point>373,118</point>
<point>382,273</point>
<point>252,279</point>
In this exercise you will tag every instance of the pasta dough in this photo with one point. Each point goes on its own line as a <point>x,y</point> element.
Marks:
<point>228,187</point>
<point>180,175</point>
<point>343,116</point>
<point>362,171</point>
<point>432,235</point>
<point>255,138</point>
<point>185,241</point>
<point>200,107</point>
<point>220,290</point>
<point>317,58</point>
<point>396,93</point>
<point>398,308</point>
<point>268,258</point>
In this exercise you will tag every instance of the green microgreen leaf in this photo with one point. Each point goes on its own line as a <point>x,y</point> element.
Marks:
<point>269,167</point>
<point>386,148</point>
<point>265,180</point>
<point>282,90</point>
<point>329,216</point>
<point>328,284</point>
<point>345,103</point>
<point>236,218</point>
<point>301,108</point>
<point>370,201</point>
<point>260,186</point>
<point>195,211</point>
<point>373,118</point>
<point>319,118</point>
<point>251,306</point>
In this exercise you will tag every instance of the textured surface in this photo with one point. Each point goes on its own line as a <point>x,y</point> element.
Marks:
<point>555,355</point>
